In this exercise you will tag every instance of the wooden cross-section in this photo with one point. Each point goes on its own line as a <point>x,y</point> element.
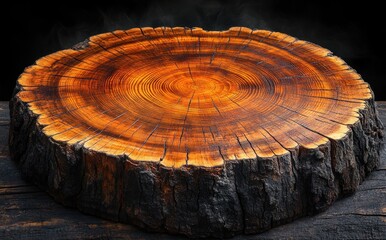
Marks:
<point>254,114</point>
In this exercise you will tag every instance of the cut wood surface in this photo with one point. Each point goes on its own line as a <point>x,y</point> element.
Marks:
<point>195,132</point>
<point>26,212</point>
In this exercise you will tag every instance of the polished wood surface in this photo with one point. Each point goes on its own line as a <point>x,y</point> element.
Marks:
<point>192,97</point>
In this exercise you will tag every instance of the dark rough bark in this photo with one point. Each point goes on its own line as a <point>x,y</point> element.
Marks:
<point>240,197</point>
<point>28,213</point>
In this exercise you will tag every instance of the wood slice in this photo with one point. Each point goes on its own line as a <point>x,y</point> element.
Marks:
<point>195,132</point>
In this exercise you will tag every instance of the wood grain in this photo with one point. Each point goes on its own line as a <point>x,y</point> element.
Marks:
<point>195,132</point>
<point>182,96</point>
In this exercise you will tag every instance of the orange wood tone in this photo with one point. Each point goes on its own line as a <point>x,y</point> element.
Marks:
<point>193,97</point>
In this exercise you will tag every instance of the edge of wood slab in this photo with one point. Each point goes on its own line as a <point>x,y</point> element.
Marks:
<point>246,196</point>
<point>197,201</point>
<point>29,213</point>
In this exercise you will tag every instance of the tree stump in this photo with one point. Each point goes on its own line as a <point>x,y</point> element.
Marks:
<point>194,132</point>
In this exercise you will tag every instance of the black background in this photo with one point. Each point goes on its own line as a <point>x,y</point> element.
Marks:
<point>354,31</point>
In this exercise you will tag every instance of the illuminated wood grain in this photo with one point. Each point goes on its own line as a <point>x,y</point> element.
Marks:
<point>189,98</point>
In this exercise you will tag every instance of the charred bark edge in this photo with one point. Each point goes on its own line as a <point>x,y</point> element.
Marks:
<point>248,196</point>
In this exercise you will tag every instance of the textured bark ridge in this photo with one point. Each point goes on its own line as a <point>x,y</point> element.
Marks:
<point>194,132</point>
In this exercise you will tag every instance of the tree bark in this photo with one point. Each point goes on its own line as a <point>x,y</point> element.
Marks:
<point>194,132</point>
